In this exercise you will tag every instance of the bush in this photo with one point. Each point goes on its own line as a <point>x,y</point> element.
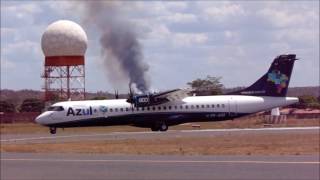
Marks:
<point>6,107</point>
<point>308,101</point>
<point>207,86</point>
<point>31,105</point>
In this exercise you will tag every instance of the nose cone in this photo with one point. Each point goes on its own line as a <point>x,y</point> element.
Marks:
<point>39,119</point>
<point>43,118</point>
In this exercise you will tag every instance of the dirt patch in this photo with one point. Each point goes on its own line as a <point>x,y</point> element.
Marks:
<point>30,128</point>
<point>305,143</point>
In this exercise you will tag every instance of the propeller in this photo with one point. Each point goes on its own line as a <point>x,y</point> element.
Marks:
<point>116,94</point>
<point>130,98</point>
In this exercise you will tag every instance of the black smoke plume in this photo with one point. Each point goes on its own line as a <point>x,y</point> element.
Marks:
<point>121,50</point>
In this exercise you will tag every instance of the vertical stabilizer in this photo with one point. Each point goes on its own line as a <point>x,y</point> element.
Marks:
<point>275,82</point>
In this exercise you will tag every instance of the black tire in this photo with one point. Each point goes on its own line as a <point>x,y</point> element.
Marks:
<point>53,130</point>
<point>163,127</point>
<point>155,127</point>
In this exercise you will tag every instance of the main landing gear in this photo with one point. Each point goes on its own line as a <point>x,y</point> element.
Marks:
<point>53,130</point>
<point>159,126</point>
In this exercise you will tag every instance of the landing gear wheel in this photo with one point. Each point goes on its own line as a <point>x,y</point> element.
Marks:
<point>53,130</point>
<point>154,128</point>
<point>163,127</point>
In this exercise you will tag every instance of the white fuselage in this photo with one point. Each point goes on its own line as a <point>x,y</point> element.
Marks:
<point>211,107</point>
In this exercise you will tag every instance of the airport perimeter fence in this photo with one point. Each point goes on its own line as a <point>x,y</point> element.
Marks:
<point>21,117</point>
<point>271,119</point>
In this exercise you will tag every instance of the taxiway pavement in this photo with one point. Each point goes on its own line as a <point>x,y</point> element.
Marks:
<point>99,166</point>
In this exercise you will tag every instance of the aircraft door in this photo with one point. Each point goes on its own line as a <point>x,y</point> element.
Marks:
<point>233,107</point>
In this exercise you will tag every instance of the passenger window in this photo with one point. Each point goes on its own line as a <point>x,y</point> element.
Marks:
<point>153,108</point>
<point>181,107</point>
<point>192,106</point>
<point>116,109</point>
<point>186,106</point>
<point>164,107</point>
<point>142,108</point>
<point>212,105</point>
<point>159,107</point>
<point>208,106</point>
<point>175,107</point>
<point>148,108</point>
<point>111,109</point>
<point>127,109</point>
<point>218,105</point>
<point>121,109</point>
<point>202,106</point>
<point>169,107</point>
<point>197,106</point>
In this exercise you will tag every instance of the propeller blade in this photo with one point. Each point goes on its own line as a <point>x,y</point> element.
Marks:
<point>116,94</point>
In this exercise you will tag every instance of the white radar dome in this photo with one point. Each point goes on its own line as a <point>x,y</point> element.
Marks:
<point>64,38</point>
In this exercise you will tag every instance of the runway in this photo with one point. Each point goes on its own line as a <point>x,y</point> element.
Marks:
<point>58,166</point>
<point>88,166</point>
<point>62,137</point>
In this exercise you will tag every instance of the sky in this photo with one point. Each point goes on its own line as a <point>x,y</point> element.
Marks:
<point>181,41</point>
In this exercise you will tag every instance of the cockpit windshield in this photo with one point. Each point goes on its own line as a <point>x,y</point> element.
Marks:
<point>55,108</point>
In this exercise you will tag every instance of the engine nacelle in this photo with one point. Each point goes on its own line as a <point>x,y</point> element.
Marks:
<point>141,100</point>
<point>146,100</point>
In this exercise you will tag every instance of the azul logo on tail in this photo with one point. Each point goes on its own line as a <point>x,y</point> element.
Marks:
<point>279,79</point>
<point>79,111</point>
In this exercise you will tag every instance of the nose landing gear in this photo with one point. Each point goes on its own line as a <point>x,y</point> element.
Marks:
<point>53,130</point>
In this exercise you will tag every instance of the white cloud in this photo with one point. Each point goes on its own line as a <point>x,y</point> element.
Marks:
<point>151,9</point>
<point>286,18</point>
<point>223,12</point>
<point>24,48</point>
<point>283,46</point>
<point>63,7</point>
<point>7,64</point>
<point>179,18</point>
<point>159,31</point>
<point>298,35</point>
<point>8,32</point>
<point>15,12</point>
<point>188,39</point>
<point>176,6</point>
<point>231,35</point>
<point>25,8</point>
<point>160,35</point>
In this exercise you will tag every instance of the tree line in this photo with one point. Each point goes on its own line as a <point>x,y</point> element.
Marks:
<point>28,105</point>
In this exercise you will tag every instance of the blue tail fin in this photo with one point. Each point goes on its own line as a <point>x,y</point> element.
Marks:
<point>275,82</point>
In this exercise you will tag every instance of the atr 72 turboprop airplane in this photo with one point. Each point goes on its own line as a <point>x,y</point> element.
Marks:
<point>158,111</point>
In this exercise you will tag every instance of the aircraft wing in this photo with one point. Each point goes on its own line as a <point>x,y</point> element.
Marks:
<point>157,98</point>
<point>172,95</point>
